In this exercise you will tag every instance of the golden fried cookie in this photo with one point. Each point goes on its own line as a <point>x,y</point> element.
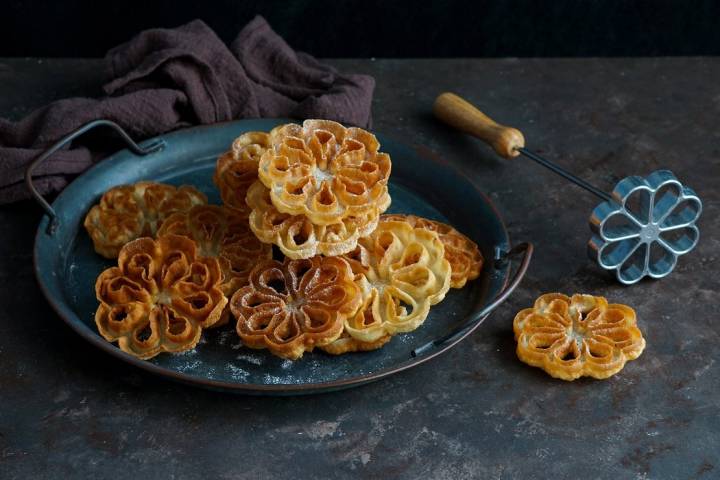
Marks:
<point>347,344</point>
<point>292,307</point>
<point>325,171</point>
<point>223,233</point>
<point>463,254</point>
<point>159,297</point>
<point>237,169</point>
<point>582,335</point>
<point>128,212</point>
<point>296,236</point>
<point>401,271</point>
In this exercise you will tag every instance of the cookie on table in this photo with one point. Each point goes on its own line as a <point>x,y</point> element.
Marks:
<point>582,335</point>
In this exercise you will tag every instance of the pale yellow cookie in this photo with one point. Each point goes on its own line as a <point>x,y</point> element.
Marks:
<point>402,272</point>
<point>463,254</point>
<point>347,344</point>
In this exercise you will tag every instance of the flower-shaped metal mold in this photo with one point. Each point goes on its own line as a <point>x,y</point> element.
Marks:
<point>647,225</point>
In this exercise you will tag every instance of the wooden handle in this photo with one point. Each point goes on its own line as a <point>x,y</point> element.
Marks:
<point>462,115</point>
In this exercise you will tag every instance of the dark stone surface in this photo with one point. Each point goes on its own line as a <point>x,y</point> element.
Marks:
<point>70,411</point>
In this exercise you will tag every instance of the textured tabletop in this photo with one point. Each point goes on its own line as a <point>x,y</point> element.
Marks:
<point>68,410</point>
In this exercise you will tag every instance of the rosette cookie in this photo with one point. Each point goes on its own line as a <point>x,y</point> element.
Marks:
<point>292,307</point>
<point>325,171</point>
<point>463,254</point>
<point>159,297</point>
<point>402,272</point>
<point>237,169</point>
<point>222,233</point>
<point>128,212</point>
<point>582,335</point>
<point>296,236</point>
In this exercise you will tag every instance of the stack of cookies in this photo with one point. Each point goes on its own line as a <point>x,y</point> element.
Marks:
<point>343,277</point>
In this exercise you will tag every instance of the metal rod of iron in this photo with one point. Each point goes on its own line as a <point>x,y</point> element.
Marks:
<point>564,173</point>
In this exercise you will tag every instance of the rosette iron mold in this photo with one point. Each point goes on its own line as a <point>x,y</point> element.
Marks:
<point>639,230</point>
<point>646,225</point>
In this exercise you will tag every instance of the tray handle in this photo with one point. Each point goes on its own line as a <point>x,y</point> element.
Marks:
<point>479,316</point>
<point>151,147</point>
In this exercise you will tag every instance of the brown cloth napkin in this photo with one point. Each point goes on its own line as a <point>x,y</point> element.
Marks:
<point>165,79</point>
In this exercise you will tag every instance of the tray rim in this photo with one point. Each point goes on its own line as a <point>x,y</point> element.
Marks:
<point>63,310</point>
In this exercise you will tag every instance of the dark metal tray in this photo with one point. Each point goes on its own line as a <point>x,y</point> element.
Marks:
<point>67,266</point>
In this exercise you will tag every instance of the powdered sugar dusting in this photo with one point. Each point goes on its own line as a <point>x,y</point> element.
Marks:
<point>237,373</point>
<point>273,379</point>
<point>188,366</point>
<point>251,358</point>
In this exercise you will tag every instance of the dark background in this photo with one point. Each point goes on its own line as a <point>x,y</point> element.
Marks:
<point>373,28</point>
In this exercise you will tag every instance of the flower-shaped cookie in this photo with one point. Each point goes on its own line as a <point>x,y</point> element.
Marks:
<point>649,223</point>
<point>401,271</point>
<point>159,297</point>
<point>292,307</point>
<point>223,233</point>
<point>325,171</point>
<point>237,169</point>
<point>463,254</point>
<point>296,236</point>
<point>128,212</point>
<point>571,337</point>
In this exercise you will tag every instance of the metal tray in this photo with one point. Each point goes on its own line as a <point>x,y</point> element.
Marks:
<point>66,265</point>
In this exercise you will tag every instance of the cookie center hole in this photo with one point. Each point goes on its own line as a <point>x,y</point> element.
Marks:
<point>569,355</point>
<point>144,333</point>
<point>278,285</point>
<point>402,308</point>
<point>119,315</point>
<point>199,302</point>
<point>302,235</point>
<point>176,325</point>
